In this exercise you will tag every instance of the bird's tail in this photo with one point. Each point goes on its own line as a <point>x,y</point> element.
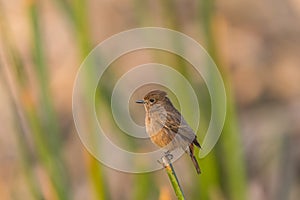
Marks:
<point>195,162</point>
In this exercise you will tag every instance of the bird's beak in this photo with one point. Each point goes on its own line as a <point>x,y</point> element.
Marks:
<point>140,101</point>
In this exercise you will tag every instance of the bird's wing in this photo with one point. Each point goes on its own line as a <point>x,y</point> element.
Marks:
<point>173,121</point>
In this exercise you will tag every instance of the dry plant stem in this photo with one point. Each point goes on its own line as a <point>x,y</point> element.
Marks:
<point>172,176</point>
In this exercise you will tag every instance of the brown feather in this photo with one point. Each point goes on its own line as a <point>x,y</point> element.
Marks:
<point>195,142</point>
<point>195,162</point>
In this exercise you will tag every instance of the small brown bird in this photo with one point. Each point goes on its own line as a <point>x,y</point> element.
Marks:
<point>166,127</point>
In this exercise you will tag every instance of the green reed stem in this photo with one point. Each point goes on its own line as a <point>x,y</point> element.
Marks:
<point>18,72</point>
<point>45,128</point>
<point>26,156</point>
<point>231,147</point>
<point>172,177</point>
<point>77,13</point>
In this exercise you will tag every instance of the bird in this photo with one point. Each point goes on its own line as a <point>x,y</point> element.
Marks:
<point>166,127</point>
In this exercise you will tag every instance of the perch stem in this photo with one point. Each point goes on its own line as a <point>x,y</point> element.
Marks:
<point>172,176</point>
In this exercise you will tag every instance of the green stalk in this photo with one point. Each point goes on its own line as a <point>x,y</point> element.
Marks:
<point>81,23</point>
<point>172,177</point>
<point>230,141</point>
<point>48,112</point>
<point>45,128</point>
<point>26,156</point>
<point>78,16</point>
<point>23,147</point>
<point>96,176</point>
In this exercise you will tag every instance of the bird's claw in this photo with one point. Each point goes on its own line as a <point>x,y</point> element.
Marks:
<point>167,155</point>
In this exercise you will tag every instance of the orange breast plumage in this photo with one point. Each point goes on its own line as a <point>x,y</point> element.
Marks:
<point>162,138</point>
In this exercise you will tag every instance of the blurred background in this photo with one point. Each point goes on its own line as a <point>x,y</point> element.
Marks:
<point>255,44</point>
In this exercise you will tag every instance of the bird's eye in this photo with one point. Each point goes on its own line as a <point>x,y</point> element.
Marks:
<point>151,100</point>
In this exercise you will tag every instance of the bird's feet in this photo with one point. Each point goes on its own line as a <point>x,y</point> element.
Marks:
<point>167,157</point>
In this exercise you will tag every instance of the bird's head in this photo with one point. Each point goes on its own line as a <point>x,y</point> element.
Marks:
<point>155,97</point>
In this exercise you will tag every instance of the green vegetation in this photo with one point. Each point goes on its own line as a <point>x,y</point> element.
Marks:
<point>41,138</point>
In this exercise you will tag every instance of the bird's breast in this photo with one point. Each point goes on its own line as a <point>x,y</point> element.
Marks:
<point>159,135</point>
<point>153,126</point>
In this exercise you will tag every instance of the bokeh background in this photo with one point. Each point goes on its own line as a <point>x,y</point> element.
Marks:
<point>255,44</point>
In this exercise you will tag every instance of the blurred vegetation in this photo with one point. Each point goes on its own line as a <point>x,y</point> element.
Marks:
<point>43,138</point>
